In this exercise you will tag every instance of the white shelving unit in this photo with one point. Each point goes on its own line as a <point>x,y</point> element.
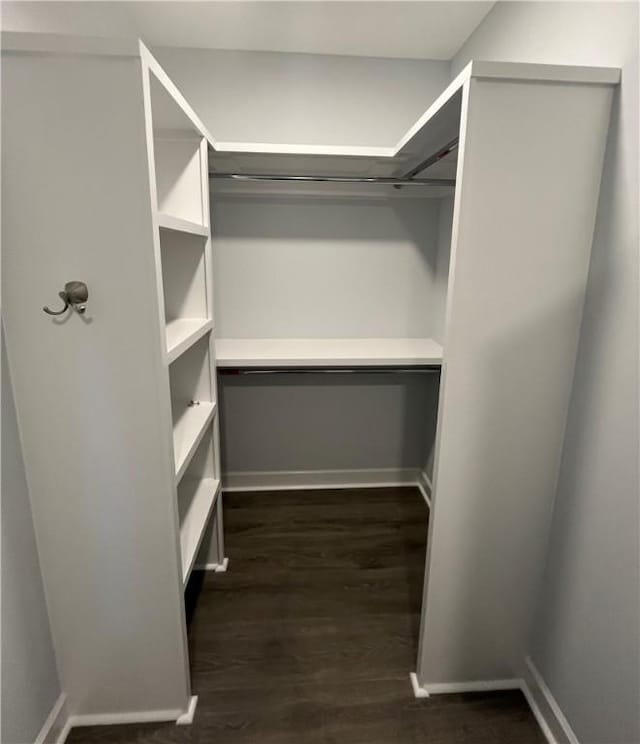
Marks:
<point>178,153</point>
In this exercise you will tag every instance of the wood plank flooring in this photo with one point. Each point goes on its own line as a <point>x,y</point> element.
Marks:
<point>311,635</point>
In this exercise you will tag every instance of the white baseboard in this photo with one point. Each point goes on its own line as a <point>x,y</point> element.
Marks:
<point>544,707</point>
<point>418,692</point>
<point>110,719</point>
<point>426,489</point>
<point>446,688</point>
<point>187,717</point>
<point>55,729</point>
<point>314,479</point>
<point>217,567</point>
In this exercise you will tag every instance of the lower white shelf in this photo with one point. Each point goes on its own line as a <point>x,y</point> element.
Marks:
<point>322,352</point>
<point>188,431</point>
<point>196,499</point>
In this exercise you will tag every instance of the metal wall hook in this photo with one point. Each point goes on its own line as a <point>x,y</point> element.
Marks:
<point>75,295</point>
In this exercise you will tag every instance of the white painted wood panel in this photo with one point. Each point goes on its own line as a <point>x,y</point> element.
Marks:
<point>304,352</point>
<point>521,244</point>
<point>90,392</point>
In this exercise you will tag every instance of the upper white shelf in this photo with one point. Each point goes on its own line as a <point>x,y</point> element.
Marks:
<point>324,352</point>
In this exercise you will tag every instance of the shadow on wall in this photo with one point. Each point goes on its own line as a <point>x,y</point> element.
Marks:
<point>316,421</point>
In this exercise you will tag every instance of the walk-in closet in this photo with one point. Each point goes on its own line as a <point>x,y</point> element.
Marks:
<point>292,415</point>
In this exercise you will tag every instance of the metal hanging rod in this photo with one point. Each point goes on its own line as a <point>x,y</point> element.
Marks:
<point>398,182</point>
<point>422,369</point>
<point>438,155</point>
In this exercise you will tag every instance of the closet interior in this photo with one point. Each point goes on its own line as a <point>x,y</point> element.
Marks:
<point>256,305</point>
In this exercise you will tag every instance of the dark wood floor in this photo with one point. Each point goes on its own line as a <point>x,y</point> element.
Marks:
<point>311,635</point>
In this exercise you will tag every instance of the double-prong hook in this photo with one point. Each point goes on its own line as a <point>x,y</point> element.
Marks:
<point>75,295</point>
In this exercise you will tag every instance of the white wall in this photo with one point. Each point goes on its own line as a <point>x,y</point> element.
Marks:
<point>74,18</point>
<point>325,268</point>
<point>585,635</point>
<point>304,98</point>
<point>30,684</point>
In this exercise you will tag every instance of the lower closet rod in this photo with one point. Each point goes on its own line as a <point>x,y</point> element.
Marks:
<point>422,370</point>
<point>334,179</point>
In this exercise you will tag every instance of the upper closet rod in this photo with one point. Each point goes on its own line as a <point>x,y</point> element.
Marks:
<point>438,155</point>
<point>335,179</point>
<point>398,181</point>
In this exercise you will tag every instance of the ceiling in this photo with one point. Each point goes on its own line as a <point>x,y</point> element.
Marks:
<point>397,29</point>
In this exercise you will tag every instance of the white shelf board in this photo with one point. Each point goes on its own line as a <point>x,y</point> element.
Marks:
<point>169,222</point>
<point>197,500</point>
<point>322,352</point>
<point>188,432</point>
<point>182,333</point>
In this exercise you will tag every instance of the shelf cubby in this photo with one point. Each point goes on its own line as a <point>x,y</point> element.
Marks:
<point>179,178</point>
<point>184,284</point>
<point>197,494</point>
<point>192,401</point>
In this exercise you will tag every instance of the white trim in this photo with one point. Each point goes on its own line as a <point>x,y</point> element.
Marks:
<point>545,708</point>
<point>27,42</point>
<point>425,487</point>
<point>548,714</point>
<point>418,692</point>
<point>64,732</point>
<point>482,685</point>
<point>283,480</point>
<point>110,719</point>
<point>445,688</point>
<point>274,148</point>
<point>537,714</point>
<point>54,730</point>
<point>217,567</point>
<point>187,717</point>
<point>545,73</point>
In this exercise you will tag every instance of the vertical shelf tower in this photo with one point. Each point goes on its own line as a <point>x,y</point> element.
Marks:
<point>177,150</point>
<point>117,407</point>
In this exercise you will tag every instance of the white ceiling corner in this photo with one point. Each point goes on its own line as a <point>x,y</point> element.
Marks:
<point>397,28</point>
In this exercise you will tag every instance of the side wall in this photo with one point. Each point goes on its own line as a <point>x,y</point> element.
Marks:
<point>585,637</point>
<point>30,684</point>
